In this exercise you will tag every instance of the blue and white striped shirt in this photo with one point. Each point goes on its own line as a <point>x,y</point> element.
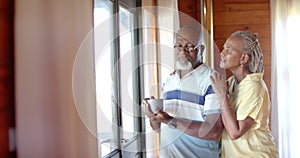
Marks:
<point>192,96</point>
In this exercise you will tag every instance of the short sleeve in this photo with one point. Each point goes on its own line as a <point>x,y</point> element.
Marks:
<point>211,103</point>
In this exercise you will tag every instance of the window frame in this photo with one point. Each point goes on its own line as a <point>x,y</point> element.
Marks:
<point>138,141</point>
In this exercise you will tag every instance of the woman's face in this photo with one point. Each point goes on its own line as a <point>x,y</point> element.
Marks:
<point>231,54</point>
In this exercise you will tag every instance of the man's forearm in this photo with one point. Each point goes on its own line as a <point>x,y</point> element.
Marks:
<point>211,130</point>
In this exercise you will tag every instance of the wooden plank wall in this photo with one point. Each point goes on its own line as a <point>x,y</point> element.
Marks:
<point>6,76</point>
<point>189,8</point>
<point>249,15</point>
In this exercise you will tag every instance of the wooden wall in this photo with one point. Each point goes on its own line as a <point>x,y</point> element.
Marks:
<point>232,15</point>
<point>6,76</point>
<point>190,8</point>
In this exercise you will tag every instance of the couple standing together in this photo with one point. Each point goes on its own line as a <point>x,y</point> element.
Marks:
<point>207,116</point>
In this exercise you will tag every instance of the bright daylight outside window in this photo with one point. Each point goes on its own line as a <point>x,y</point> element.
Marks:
<point>105,49</point>
<point>126,50</point>
<point>117,79</point>
<point>102,12</point>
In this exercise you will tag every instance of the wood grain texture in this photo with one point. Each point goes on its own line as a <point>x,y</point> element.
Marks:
<point>6,76</point>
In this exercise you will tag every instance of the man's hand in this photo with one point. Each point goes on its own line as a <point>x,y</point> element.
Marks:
<point>161,116</point>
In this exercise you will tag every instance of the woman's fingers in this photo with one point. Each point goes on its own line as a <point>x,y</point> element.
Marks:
<point>216,76</point>
<point>219,84</point>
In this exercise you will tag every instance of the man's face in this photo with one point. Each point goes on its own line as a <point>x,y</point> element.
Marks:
<point>185,53</point>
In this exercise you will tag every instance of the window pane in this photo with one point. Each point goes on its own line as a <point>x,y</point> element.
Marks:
<point>126,65</point>
<point>103,36</point>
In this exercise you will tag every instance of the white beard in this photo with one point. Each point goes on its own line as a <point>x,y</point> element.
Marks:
<point>183,66</point>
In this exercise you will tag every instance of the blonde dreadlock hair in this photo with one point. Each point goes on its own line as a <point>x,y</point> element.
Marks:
<point>252,47</point>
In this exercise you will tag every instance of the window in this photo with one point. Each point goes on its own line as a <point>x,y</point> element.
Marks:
<point>102,24</point>
<point>118,121</point>
<point>128,69</point>
<point>126,53</point>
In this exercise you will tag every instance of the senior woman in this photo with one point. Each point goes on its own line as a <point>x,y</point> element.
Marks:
<point>244,99</point>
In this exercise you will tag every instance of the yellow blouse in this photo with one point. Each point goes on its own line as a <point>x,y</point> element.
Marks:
<point>250,98</point>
